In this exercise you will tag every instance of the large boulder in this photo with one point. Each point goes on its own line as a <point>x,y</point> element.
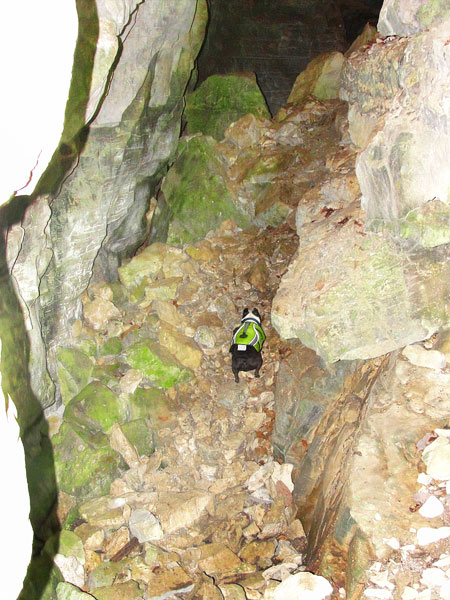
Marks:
<point>221,100</point>
<point>350,294</point>
<point>407,18</point>
<point>321,78</point>
<point>197,192</point>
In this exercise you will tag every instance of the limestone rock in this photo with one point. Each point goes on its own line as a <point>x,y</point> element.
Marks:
<point>179,345</point>
<point>139,435</point>
<point>216,558</point>
<point>420,356</point>
<point>334,304</point>
<point>431,508</point>
<point>221,100</point>
<point>404,20</point>
<point>436,456</point>
<point>173,581</point>
<point>74,371</point>
<point>103,511</point>
<point>197,192</point>
<point>320,79</point>
<point>145,526</point>
<point>246,131</point>
<point>305,586</point>
<point>98,312</point>
<point>96,408</point>
<point>67,591</point>
<point>122,445</point>
<point>145,265</point>
<point>151,403</point>
<point>156,364</point>
<point>119,591</point>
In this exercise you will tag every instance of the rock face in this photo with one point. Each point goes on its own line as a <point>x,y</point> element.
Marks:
<point>350,293</point>
<point>125,108</point>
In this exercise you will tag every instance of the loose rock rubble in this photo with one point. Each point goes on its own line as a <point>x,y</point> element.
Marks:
<point>209,513</point>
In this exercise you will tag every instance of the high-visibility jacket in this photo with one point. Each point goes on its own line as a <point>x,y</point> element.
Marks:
<point>249,333</point>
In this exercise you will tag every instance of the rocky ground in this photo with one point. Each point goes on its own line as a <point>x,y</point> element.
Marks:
<point>176,492</point>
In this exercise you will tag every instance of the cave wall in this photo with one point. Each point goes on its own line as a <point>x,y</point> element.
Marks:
<point>275,40</point>
<point>133,63</point>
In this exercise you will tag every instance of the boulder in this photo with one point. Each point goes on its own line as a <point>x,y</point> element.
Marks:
<point>321,78</point>
<point>88,471</point>
<point>406,19</point>
<point>350,294</point>
<point>156,364</point>
<point>197,193</point>
<point>179,345</point>
<point>74,372</point>
<point>95,408</point>
<point>221,100</point>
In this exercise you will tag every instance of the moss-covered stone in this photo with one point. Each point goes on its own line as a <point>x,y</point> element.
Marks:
<point>150,403</point>
<point>221,100</point>
<point>138,433</point>
<point>156,363</point>
<point>106,573</point>
<point>181,346</point>
<point>74,371</point>
<point>96,408</point>
<point>197,194</point>
<point>85,464</point>
<point>106,373</point>
<point>112,346</point>
<point>119,591</point>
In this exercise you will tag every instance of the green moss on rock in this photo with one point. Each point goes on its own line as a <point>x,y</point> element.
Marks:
<point>111,347</point>
<point>221,100</point>
<point>85,464</point>
<point>197,194</point>
<point>150,403</point>
<point>96,408</point>
<point>156,364</point>
<point>138,433</point>
<point>428,224</point>
<point>74,371</point>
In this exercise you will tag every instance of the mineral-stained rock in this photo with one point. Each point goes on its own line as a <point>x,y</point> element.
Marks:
<point>169,582</point>
<point>96,408</point>
<point>221,100</point>
<point>156,364</point>
<point>320,79</point>
<point>151,403</point>
<point>74,371</point>
<point>217,558</point>
<point>178,510</point>
<point>85,465</point>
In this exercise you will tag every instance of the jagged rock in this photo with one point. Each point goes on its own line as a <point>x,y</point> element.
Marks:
<point>320,79</point>
<point>221,100</point>
<point>74,372</point>
<point>95,408</point>
<point>156,364</point>
<point>431,508</point>
<point>246,131</point>
<point>182,509</point>
<point>436,456</point>
<point>102,512</point>
<point>120,443</point>
<point>421,357</point>
<point>167,583</point>
<point>179,345</point>
<point>91,536</point>
<point>111,347</point>
<point>303,585</point>
<point>216,558</point>
<point>145,526</point>
<point>91,469</point>
<point>151,403</point>
<point>99,312</point>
